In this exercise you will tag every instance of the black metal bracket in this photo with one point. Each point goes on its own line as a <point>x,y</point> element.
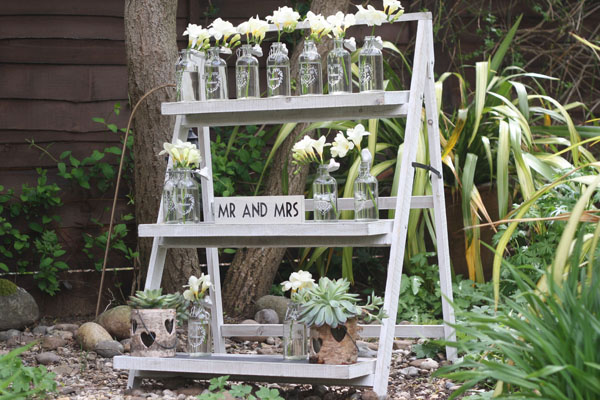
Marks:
<point>428,168</point>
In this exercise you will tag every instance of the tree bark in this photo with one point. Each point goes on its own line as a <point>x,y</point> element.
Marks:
<point>252,271</point>
<point>150,42</point>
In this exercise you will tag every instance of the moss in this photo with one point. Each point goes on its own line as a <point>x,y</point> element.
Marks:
<point>7,287</point>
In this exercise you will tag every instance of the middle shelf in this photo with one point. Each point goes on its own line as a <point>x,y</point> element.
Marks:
<point>342,233</point>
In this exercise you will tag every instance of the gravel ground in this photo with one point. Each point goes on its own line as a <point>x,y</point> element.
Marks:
<point>86,375</point>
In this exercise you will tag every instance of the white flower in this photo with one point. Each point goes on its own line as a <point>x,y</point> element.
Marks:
<point>339,23</point>
<point>319,26</point>
<point>258,28</point>
<point>197,287</point>
<point>390,7</point>
<point>184,154</point>
<point>284,18</point>
<point>221,29</point>
<point>356,134</point>
<point>193,31</point>
<point>341,146</point>
<point>298,280</point>
<point>370,16</point>
<point>350,44</point>
<point>318,145</point>
<point>303,150</point>
<point>257,50</point>
<point>225,50</point>
<point>333,165</point>
<point>243,28</point>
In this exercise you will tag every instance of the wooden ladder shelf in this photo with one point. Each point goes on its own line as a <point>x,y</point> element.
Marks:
<point>367,372</point>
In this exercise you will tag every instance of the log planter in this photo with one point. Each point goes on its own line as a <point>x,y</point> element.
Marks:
<point>153,332</point>
<point>334,345</point>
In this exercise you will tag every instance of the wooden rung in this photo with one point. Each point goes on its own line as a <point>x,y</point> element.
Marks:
<point>384,203</point>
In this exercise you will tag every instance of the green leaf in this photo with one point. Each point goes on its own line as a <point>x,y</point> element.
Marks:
<point>504,46</point>
<point>3,267</point>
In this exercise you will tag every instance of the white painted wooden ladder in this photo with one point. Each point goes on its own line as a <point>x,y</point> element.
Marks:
<point>367,372</point>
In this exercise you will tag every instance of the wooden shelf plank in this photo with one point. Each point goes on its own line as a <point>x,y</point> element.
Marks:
<point>246,365</point>
<point>308,234</point>
<point>277,110</point>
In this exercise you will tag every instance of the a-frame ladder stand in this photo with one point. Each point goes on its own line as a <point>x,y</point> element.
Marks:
<point>367,372</point>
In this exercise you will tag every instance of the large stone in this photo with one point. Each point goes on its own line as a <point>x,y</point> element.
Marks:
<point>109,348</point>
<point>90,334</point>
<point>277,303</point>
<point>19,309</point>
<point>9,334</point>
<point>47,358</point>
<point>267,316</point>
<point>117,321</point>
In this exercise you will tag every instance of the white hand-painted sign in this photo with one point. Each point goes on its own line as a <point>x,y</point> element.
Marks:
<point>259,210</point>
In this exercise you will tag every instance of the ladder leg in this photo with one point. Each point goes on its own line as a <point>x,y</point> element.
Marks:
<point>212,254</point>
<point>394,273</point>
<point>439,204</point>
<point>133,380</point>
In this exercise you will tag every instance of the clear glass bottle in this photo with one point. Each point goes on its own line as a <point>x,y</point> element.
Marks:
<point>215,75</point>
<point>246,73</point>
<point>339,72</point>
<point>370,66</point>
<point>186,75</point>
<point>365,191</point>
<point>325,196</point>
<point>278,71</point>
<point>295,340</point>
<point>181,198</point>
<point>199,329</point>
<point>311,76</point>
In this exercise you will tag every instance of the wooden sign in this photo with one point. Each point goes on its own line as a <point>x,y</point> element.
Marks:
<point>259,210</point>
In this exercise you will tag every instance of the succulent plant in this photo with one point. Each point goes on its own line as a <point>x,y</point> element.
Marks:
<point>155,299</point>
<point>330,303</point>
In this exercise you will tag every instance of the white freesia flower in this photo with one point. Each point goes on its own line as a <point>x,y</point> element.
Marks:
<point>257,50</point>
<point>341,146</point>
<point>243,28</point>
<point>298,280</point>
<point>184,154</point>
<point>193,31</point>
<point>370,16</point>
<point>225,50</point>
<point>319,26</point>
<point>339,23</point>
<point>333,165</point>
<point>390,7</point>
<point>284,18</point>
<point>318,145</point>
<point>258,29</point>
<point>356,134</point>
<point>350,44</point>
<point>303,150</point>
<point>220,29</point>
<point>197,287</point>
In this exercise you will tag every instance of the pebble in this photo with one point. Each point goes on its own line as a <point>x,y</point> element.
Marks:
<point>426,363</point>
<point>369,395</point>
<point>270,340</point>
<point>402,344</point>
<point>266,316</point>
<point>47,358</point>
<point>364,350</point>
<point>40,330</point>
<point>66,335</point>
<point>64,370</point>
<point>53,342</point>
<point>66,327</point>
<point>126,343</point>
<point>5,335</point>
<point>320,390</point>
<point>410,371</point>
<point>108,348</point>
<point>66,389</point>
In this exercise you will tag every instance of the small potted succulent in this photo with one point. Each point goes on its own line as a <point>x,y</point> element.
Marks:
<point>153,323</point>
<point>332,314</point>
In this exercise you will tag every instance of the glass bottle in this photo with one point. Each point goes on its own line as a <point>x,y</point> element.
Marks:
<point>199,329</point>
<point>181,198</point>
<point>186,73</point>
<point>339,72</point>
<point>215,75</point>
<point>370,66</point>
<point>325,196</point>
<point>311,79</point>
<point>246,73</point>
<point>365,191</point>
<point>295,340</point>
<point>278,71</point>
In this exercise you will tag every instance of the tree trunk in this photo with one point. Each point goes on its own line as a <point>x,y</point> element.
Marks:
<point>150,42</point>
<point>252,271</point>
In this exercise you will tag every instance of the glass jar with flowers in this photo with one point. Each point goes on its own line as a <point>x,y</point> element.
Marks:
<point>215,68</point>
<point>190,62</point>
<point>370,58</point>
<point>311,76</point>
<point>246,66</point>
<point>365,185</point>
<point>339,72</point>
<point>199,321</point>
<point>309,150</point>
<point>295,340</point>
<point>181,194</point>
<point>285,19</point>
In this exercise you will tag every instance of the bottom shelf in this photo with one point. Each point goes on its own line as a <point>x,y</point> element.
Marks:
<point>250,367</point>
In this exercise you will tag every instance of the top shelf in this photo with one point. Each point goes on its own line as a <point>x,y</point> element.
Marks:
<point>278,110</point>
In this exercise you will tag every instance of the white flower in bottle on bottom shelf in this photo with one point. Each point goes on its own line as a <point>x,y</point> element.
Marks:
<point>356,134</point>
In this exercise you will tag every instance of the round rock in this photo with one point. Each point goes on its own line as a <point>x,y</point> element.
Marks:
<point>53,342</point>
<point>117,321</point>
<point>19,309</point>
<point>277,303</point>
<point>47,358</point>
<point>90,334</point>
<point>266,316</point>
<point>109,348</point>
